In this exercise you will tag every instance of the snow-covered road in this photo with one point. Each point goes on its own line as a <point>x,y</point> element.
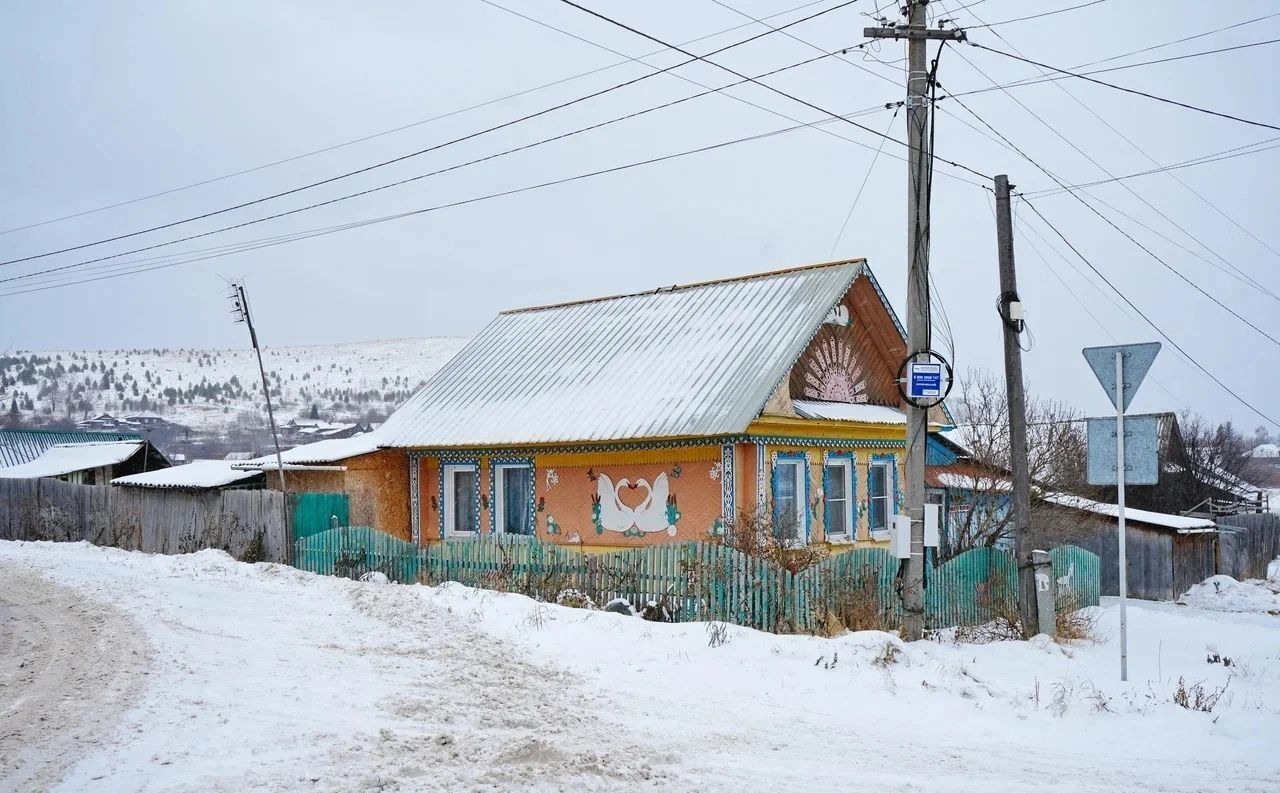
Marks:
<point>220,676</point>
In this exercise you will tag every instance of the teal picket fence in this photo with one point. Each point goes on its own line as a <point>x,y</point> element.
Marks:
<point>352,551</point>
<point>702,581</point>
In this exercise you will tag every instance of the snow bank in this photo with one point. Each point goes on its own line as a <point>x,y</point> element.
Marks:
<point>267,678</point>
<point>1224,593</point>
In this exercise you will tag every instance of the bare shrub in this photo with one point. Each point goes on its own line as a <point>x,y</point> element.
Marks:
<point>888,655</point>
<point>574,599</point>
<point>759,536</point>
<point>1072,623</point>
<point>1197,696</point>
<point>255,549</point>
<point>853,603</point>
<point>717,634</point>
<point>537,617</point>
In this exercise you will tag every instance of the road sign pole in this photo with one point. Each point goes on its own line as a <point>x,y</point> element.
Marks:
<point>1124,567</point>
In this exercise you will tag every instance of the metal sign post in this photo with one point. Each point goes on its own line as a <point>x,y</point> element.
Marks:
<point>1109,364</point>
<point>1123,561</point>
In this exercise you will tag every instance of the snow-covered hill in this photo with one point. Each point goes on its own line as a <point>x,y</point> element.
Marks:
<point>210,390</point>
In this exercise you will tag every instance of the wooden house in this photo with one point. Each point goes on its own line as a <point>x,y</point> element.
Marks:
<point>92,463</point>
<point>1164,554</point>
<point>667,415</point>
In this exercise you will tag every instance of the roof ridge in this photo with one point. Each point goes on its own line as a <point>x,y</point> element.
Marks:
<point>691,285</point>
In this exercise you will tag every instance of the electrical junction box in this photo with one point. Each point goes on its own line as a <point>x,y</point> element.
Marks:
<point>900,537</point>
<point>1016,312</point>
<point>932,513</point>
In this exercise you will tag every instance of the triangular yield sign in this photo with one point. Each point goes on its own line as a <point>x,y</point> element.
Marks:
<point>1137,362</point>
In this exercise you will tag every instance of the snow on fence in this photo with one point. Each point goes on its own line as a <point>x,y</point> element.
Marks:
<point>705,581</point>
<point>245,523</point>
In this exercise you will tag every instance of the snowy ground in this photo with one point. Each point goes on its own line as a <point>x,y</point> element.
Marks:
<point>263,678</point>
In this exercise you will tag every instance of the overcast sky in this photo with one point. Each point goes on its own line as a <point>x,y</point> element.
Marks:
<point>108,102</point>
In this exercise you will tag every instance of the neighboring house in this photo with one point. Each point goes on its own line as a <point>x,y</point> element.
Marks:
<point>375,479</point>
<point>95,463</point>
<point>22,446</point>
<point>102,421</point>
<point>662,415</point>
<point>1187,484</point>
<point>307,430</point>
<point>1165,554</point>
<point>145,418</point>
<point>974,499</point>
<point>195,475</point>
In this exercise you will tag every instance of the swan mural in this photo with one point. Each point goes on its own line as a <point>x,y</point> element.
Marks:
<point>655,513</point>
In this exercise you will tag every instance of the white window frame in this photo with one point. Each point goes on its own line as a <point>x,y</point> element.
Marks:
<point>499,497</point>
<point>802,501</point>
<point>881,534</point>
<point>449,472</point>
<point>850,527</point>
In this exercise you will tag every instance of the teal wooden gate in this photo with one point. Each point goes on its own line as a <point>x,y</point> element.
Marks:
<point>1078,577</point>
<point>315,512</point>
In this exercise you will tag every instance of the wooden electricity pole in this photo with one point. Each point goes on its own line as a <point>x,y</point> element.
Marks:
<point>1016,402</point>
<point>917,35</point>
<point>240,299</point>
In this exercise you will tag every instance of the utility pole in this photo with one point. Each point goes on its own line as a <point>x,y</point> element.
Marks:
<point>240,301</point>
<point>1011,317</point>
<point>917,34</point>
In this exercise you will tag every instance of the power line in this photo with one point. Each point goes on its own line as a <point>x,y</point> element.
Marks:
<point>437,172</point>
<point>1054,79</point>
<point>1180,41</point>
<point>1127,235</point>
<point>1141,150</point>
<point>435,147</point>
<point>1037,16</point>
<point>1205,159</point>
<point>293,158</point>
<point>870,167</point>
<point>411,213</point>
<point>1134,91</point>
<point>1052,128</point>
<point>766,86</point>
<point>1147,319</point>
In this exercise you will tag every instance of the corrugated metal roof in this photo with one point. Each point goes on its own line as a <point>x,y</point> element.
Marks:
<point>844,411</point>
<point>698,360</point>
<point>23,446</point>
<point>59,460</point>
<point>195,475</point>
<point>330,451</point>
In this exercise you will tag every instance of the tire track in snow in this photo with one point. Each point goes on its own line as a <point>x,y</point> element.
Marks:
<point>68,668</point>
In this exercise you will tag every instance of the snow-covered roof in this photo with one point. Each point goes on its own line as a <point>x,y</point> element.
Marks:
<point>1177,522</point>
<point>681,361</point>
<point>1265,450</point>
<point>21,446</point>
<point>66,458</point>
<point>197,474</point>
<point>841,411</point>
<point>143,414</point>
<point>329,451</point>
<point>978,482</point>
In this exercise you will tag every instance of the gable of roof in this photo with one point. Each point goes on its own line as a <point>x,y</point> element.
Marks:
<point>684,361</point>
<point>23,446</point>
<point>67,458</point>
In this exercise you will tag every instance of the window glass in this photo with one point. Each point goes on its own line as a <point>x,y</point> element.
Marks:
<point>465,518</point>
<point>837,517</point>
<point>878,493</point>
<point>517,489</point>
<point>786,501</point>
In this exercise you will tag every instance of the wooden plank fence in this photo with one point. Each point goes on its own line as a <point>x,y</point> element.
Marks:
<point>700,581</point>
<point>245,523</point>
<point>1247,544</point>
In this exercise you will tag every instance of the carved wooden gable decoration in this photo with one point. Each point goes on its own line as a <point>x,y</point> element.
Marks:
<point>855,354</point>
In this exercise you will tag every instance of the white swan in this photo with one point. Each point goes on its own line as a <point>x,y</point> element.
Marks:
<point>612,514</point>
<point>651,516</point>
